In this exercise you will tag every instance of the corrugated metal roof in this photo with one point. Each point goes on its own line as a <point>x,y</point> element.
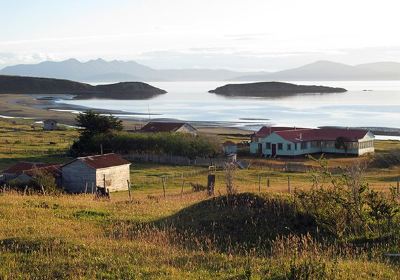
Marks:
<point>22,166</point>
<point>267,130</point>
<point>53,169</point>
<point>322,134</point>
<point>102,161</point>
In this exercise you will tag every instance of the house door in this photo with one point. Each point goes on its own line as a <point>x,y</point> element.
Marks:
<point>259,148</point>
<point>273,150</point>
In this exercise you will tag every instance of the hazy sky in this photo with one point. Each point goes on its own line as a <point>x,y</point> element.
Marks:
<point>239,34</point>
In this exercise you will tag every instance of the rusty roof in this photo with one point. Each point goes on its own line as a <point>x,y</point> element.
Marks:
<point>22,166</point>
<point>267,130</point>
<point>53,169</point>
<point>163,126</point>
<point>102,161</point>
<point>322,134</point>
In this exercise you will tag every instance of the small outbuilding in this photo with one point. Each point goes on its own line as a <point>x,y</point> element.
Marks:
<point>84,174</point>
<point>229,147</point>
<point>50,125</point>
<point>171,127</point>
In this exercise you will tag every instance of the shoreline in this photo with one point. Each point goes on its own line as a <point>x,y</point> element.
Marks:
<point>40,107</point>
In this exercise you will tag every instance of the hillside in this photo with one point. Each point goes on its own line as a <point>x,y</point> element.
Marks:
<point>32,85</point>
<point>271,89</point>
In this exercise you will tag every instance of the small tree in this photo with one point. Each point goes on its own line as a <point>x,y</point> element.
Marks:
<point>46,180</point>
<point>341,143</point>
<point>94,123</point>
<point>230,169</point>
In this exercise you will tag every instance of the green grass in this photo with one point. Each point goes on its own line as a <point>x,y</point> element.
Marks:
<point>182,236</point>
<point>81,238</point>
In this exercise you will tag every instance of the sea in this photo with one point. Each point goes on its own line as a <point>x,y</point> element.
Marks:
<point>365,104</point>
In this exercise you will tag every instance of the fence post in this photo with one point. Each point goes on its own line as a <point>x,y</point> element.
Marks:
<point>288,183</point>
<point>26,188</point>
<point>129,190</point>
<point>86,186</point>
<point>183,183</point>
<point>44,193</point>
<point>268,182</point>
<point>259,183</point>
<point>163,184</point>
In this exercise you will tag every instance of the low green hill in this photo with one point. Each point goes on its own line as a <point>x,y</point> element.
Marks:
<point>34,85</point>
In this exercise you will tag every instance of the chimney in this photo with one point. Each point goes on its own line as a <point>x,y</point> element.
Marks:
<point>301,136</point>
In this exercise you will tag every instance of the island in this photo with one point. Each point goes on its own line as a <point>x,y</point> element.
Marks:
<point>272,89</point>
<point>34,85</point>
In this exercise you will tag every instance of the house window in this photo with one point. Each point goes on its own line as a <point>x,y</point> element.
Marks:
<point>268,146</point>
<point>303,145</point>
<point>289,147</point>
<point>280,146</point>
<point>295,146</point>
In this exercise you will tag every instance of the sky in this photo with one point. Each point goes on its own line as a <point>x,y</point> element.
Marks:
<point>233,34</point>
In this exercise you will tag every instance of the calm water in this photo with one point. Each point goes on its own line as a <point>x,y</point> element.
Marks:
<point>380,106</point>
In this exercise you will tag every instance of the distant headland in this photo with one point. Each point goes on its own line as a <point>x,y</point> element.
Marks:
<point>272,89</point>
<point>34,85</point>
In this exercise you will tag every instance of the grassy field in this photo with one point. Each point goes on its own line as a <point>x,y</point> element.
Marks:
<point>78,237</point>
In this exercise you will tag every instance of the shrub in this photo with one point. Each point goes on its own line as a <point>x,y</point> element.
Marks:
<point>386,160</point>
<point>344,206</point>
<point>159,143</point>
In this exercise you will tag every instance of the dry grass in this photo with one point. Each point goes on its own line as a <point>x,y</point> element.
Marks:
<point>78,237</point>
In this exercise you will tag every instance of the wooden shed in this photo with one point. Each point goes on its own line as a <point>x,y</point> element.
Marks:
<point>84,174</point>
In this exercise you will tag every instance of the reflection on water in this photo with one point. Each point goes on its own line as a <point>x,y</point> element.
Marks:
<point>367,103</point>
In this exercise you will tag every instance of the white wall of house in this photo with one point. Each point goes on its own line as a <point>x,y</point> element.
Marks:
<point>366,145</point>
<point>116,177</point>
<point>76,175</point>
<point>288,148</point>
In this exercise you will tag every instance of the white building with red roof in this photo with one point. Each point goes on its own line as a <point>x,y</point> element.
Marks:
<point>84,174</point>
<point>302,141</point>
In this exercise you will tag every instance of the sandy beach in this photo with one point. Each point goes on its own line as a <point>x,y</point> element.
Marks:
<point>39,109</point>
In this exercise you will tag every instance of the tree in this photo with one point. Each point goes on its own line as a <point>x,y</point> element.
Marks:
<point>94,123</point>
<point>341,143</point>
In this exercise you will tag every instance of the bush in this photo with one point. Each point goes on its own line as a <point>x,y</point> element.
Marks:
<point>386,160</point>
<point>345,207</point>
<point>40,178</point>
<point>159,143</point>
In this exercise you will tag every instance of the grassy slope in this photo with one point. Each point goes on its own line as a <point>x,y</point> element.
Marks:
<point>77,237</point>
<point>80,238</point>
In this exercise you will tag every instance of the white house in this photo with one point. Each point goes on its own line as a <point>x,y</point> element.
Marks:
<point>85,173</point>
<point>297,142</point>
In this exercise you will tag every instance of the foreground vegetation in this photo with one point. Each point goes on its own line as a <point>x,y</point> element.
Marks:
<point>330,226</point>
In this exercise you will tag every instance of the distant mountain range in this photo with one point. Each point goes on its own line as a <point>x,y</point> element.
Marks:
<point>100,70</point>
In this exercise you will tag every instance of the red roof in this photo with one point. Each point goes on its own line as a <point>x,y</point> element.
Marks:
<point>53,169</point>
<point>22,166</point>
<point>267,130</point>
<point>325,134</point>
<point>102,161</point>
<point>163,126</point>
